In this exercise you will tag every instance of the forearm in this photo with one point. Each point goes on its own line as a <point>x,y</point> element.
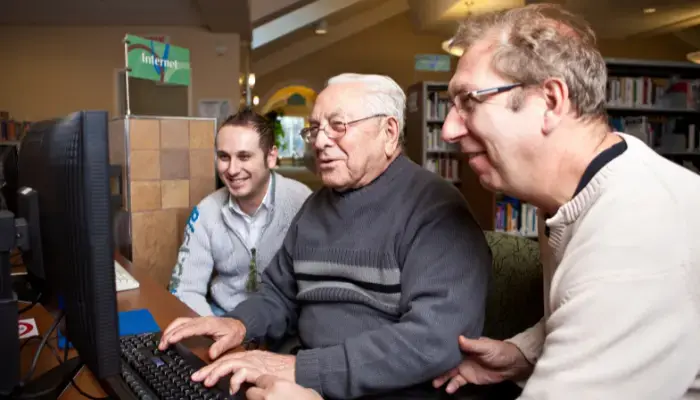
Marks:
<point>530,341</point>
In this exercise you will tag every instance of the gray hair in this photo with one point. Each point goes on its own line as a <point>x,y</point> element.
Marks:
<point>385,96</point>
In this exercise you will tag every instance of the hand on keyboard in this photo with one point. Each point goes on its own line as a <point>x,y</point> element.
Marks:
<point>227,333</point>
<point>270,387</point>
<point>247,366</point>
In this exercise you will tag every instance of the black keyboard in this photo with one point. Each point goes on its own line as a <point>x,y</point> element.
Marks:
<point>153,374</point>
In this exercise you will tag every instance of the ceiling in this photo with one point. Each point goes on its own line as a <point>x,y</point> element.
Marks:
<point>282,30</point>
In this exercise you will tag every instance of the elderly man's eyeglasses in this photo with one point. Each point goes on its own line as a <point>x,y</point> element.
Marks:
<point>465,102</point>
<point>335,129</point>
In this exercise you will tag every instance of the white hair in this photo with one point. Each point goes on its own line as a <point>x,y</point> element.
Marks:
<point>385,96</point>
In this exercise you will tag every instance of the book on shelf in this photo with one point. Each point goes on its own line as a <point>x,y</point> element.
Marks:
<point>437,104</point>
<point>666,135</point>
<point>652,93</point>
<point>10,129</point>
<point>433,141</point>
<point>446,167</point>
<point>516,217</point>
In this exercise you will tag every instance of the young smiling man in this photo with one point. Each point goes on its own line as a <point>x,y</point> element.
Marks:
<point>234,232</point>
<point>622,298</point>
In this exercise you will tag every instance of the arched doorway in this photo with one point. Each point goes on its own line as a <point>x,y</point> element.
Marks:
<point>292,105</point>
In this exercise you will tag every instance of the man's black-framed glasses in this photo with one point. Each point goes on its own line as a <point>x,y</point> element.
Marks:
<point>334,130</point>
<point>465,102</point>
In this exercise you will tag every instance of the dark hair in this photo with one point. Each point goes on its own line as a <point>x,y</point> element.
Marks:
<point>246,117</point>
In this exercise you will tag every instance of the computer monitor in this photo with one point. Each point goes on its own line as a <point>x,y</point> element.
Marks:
<point>65,163</point>
<point>8,177</point>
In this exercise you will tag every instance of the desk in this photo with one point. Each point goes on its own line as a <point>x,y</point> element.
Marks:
<point>163,306</point>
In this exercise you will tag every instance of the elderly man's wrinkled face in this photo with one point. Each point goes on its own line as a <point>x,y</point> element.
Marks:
<point>351,145</point>
<point>497,135</point>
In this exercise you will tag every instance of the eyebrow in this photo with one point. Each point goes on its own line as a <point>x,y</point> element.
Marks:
<point>316,120</point>
<point>454,90</point>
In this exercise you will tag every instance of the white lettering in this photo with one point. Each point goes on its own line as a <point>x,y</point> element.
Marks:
<point>158,61</point>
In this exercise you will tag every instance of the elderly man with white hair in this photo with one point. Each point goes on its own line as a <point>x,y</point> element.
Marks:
<point>380,270</point>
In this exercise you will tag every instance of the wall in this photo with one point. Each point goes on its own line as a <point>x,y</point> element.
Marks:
<point>51,71</point>
<point>389,48</point>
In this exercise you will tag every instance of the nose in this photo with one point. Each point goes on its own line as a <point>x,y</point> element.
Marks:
<point>322,141</point>
<point>234,167</point>
<point>454,128</point>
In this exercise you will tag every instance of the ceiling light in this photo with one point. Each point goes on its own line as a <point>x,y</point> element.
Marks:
<point>449,48</point>
<point>649,10</point>
<point>251,80</point>
<point>321,27</point>
<point>694,57</point>
<point>256,100</point>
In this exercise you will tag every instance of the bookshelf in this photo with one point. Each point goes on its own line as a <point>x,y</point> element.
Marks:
<point>427,107</point>
<point>656,101</point>
<point>11,131</point>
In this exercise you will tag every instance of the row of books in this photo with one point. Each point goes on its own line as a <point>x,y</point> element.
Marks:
<point>665,135</point>
<point>437,105</point>
<point>647,92</point>
<point>10,129</point>
<point>433,141</point>
<point>446,167</point>
<point>516,217</point>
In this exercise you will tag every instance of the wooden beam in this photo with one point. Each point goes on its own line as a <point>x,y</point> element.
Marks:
<point>339,32</point>
<point>297,19</point>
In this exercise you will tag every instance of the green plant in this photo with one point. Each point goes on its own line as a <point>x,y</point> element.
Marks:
<point>275,116</point>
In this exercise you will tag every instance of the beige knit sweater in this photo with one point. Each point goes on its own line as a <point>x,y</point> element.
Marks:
<point>622,287</point>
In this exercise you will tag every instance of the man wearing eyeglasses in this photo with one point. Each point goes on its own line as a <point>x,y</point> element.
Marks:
<point>622,298</point>
<point>379,272</point>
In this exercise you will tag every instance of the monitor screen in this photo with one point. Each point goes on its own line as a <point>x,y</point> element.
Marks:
<point>8,177</point>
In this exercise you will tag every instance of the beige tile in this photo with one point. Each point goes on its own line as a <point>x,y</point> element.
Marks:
<point>175,194</point>
<point>155,243</point>
<point>182,215</point>
<point>145,165</point>
<point>174,134</point>
<point>202,164</point>
<point>202,134</point>
<point>144,134</point>
<point>174,164</point>
<point>200,188</point>
<point>117,142</point>
<point>145,196</point>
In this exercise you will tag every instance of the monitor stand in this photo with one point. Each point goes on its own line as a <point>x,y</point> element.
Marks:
<point>48,385</point>
<point>51,383</point>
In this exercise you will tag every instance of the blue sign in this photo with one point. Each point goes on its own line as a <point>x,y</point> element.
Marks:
<point>433,62</point>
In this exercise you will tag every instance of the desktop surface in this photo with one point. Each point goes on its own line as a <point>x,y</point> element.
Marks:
<point>162,305</point>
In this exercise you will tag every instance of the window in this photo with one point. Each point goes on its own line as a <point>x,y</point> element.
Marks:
<point>293,144</point>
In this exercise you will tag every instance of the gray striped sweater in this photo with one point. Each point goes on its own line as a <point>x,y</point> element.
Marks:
<point>378,282</point>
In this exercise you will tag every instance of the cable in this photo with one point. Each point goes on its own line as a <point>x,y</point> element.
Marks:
<point>29,307</point>
<point>72,379</point>
<point>44,340</point>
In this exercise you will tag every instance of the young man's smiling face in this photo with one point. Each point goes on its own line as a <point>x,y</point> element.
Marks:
<point>241,163</point>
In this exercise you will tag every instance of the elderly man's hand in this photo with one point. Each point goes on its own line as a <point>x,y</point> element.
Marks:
<point>271,387</point>
<point>226,332</point>
<point>246,367</point>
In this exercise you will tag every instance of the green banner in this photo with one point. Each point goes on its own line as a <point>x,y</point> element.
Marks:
<point>157,61</point>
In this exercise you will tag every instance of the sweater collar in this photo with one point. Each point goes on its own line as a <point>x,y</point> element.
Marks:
<point>390,173</point>
<point>585,197</point>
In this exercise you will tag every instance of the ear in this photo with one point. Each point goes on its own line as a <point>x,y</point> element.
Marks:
<point>392,135</point>
<point>272,157</point>
<point>556,96</point>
